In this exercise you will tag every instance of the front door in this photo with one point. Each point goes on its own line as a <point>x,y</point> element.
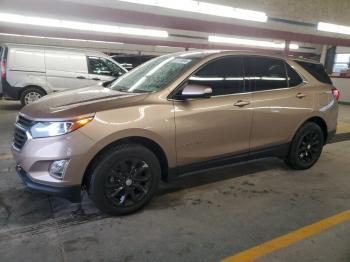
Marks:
<point>219,126</point>
<point>102,69</point>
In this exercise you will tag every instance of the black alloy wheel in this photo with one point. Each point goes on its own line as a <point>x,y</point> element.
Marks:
<point>306,147</point>
<point>124,179</point>
<point>128,183</point>
<point>309,147</point>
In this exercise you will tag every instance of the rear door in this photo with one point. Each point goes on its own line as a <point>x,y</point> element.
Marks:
<point>217,127</point>
<point>66,70</point>
<point>102,69</point>
<point>280,101</point>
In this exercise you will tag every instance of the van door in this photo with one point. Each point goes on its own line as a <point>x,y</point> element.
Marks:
<point>102,69</point>
<point>277,104</point>
<point>217,127</point>
<point>66,70</point>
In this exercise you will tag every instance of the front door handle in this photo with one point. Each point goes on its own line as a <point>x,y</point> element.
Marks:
<point>81,77</point>
<point>241,103</point>
<point>96,78</point>
<point>301,95</point>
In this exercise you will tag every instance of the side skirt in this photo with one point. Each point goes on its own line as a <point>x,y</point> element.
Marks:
<point>280,151</point>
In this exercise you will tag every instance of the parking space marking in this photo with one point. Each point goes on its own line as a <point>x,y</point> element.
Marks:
<point>288,239</point>
<point>343,127</point>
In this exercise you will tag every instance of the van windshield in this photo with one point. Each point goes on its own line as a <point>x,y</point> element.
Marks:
<point>154,75</point>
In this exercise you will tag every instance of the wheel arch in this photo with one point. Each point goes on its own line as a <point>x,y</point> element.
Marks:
<point>146,142</point>
<point>32,86</point>
<point>320,122</point>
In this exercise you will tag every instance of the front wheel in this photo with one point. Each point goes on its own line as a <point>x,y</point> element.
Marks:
<point>306,147</point>
<point>125,179</point>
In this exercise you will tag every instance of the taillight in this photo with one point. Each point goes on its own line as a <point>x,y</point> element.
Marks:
<point>3,70</point>
<point>336,93</point>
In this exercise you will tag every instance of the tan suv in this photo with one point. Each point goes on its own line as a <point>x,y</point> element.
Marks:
<point>175,114</point>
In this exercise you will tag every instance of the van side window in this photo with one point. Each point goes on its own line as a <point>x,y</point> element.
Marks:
<point>265,73</point>
<point>102,66</point>
<point>294,78</point>
<point>224,76</point>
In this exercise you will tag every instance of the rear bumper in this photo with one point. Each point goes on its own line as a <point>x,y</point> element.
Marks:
<point>10,92</point>
<point>71,193</point>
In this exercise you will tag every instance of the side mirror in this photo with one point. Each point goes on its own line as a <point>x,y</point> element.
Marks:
<point>196,91</point>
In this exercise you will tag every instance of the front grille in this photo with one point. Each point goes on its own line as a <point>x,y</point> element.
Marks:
<point>20,135</point>
<point>24,122</point>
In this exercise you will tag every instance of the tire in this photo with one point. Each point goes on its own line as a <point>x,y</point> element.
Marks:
<point>124,179</point>
<point>31,94</point>
<point>306,147</point>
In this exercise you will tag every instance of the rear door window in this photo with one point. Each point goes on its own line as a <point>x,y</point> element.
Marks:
<point>224,76</point>
<point>265,73</point>
<point>316,70</point>
<point>294,79</point>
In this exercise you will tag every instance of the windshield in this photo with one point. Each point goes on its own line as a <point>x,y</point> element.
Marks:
<point>154,75</point>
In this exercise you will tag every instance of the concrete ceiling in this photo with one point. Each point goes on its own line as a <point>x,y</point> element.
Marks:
<point>290,20</point>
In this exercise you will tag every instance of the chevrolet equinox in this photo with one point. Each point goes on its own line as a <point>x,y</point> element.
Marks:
<point>176,114</point>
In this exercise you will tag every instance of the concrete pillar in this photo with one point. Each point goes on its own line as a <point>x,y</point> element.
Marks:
<point>286,48</point>
<point>323,54</point>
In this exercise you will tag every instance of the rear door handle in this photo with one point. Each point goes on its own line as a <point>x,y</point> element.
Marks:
<point>301,95</point>
<point>241,103</point>
<point>97,79</point>
<point>81,77</point>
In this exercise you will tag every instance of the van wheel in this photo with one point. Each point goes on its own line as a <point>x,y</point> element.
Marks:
<point>30,95</point>
<point>306,147</point>
<point>124,179</point>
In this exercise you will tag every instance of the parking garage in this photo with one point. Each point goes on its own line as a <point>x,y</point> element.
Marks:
<point>174,131</point>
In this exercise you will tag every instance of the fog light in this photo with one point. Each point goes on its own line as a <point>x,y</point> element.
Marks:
<point>58,168</point>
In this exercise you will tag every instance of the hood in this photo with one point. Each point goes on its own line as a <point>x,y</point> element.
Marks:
<point>73,103</point>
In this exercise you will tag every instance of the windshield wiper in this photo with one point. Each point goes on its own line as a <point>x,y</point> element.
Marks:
<point>108,83</point>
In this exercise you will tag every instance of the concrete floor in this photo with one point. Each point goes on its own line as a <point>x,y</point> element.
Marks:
<point>203,217</point>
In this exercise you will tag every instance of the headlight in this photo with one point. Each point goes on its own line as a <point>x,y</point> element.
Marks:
<point>47,129</point>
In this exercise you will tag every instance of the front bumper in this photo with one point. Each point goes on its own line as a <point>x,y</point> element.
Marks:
<point>37,154</point>
<point>71,193</point>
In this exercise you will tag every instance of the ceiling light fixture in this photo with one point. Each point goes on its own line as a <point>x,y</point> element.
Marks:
<point>59,38</point>
<point>82,26</point>
<point>333,28</point>
<point>205,8</point>
<point>250,42</point>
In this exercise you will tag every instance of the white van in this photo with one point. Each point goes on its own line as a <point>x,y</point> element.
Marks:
<point>29,72</point>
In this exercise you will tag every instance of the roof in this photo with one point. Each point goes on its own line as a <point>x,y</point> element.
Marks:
<point>56,48</point>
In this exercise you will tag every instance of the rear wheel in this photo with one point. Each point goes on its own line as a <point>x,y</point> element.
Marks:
<point>31,94</point>
<point>306,146</point>
<point>124,179</point>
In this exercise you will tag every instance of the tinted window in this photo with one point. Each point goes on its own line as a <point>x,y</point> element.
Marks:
<point>224,76</point>
<point>265,73</point>
<point>102,66</point>
<point>316,70</point>
<point>293,77</point>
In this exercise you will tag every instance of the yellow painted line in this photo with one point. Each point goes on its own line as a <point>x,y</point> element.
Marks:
<point>5,156</point>
<point>289,239</point>
<point>343,127</point>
